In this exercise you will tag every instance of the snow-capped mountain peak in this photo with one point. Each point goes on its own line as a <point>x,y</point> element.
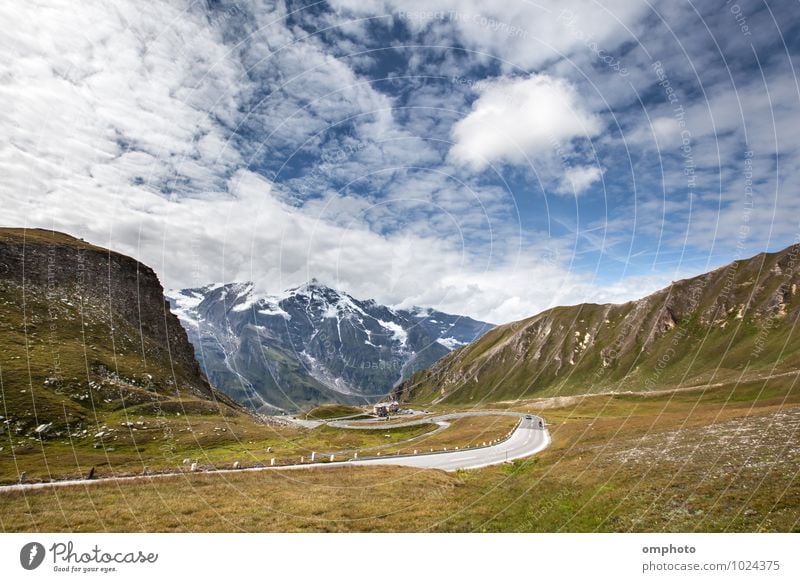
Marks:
<point>311,343</point>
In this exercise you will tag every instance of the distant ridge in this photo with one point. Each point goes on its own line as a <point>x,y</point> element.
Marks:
<point>736,321</point>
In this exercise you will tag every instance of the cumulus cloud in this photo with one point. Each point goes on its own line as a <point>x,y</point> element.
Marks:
<point>579,179</point>
<point>515,119</point>
<point>119,95</point>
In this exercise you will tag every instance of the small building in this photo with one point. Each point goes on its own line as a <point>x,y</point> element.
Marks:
<point>384,409</point>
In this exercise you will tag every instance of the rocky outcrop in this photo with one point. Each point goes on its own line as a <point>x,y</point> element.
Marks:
<point>125,289</point>
<point>86,332</point>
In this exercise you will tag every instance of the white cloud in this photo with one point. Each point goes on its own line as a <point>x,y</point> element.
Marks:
<point>252,235</point>
<point>121,95</point>
<point>119,124</point>
<point>516,119</point>
<point>578,179</point>
<point>519,34</point>
<point>94,126</point>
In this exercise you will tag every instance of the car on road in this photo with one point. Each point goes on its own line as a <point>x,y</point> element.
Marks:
<point>528,417</point>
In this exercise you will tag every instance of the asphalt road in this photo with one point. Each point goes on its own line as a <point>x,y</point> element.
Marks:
<point>374,423</point>
<point>526,440</point>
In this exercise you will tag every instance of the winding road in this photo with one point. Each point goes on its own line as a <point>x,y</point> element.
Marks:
<point>528,438</point>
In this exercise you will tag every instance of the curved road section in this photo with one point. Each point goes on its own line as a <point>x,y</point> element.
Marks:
<point>373,423</point>
<point>530,437</point>
<point>526,440</point>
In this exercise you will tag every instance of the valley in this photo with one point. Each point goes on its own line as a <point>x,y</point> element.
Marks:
<point>676,412</point>
<point>719,459</point>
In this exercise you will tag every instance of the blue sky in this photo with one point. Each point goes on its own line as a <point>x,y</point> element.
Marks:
<point>492,159</point>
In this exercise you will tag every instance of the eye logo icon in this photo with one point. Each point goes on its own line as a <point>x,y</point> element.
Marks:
<point>31,555</point>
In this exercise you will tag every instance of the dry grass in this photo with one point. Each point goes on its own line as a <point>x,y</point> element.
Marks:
<point>215,444</point>
<point>211,443</point>
<point>358,498</point>
<point>723,460</point>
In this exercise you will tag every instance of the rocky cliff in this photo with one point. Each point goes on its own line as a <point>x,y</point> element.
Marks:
<point>85,332</point>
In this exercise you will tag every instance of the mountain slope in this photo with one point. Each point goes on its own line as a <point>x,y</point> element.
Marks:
<point>86,334</point>
<point>312,344</point>
<point>736,321</point>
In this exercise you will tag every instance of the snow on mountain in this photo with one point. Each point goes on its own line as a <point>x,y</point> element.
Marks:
<point>274,310</point>
<point>450,343</point>
<point>398,333</point>
<point>312,343</point>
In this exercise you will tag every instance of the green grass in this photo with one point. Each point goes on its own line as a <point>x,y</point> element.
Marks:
<point>719,460</point>
<point>330,411</point>
<point>162,447</point>
<point>462,432</point>
<point>59,365</point>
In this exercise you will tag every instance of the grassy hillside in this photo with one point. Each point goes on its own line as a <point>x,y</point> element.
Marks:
<point>94,369</point>
<point>735,322</point>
